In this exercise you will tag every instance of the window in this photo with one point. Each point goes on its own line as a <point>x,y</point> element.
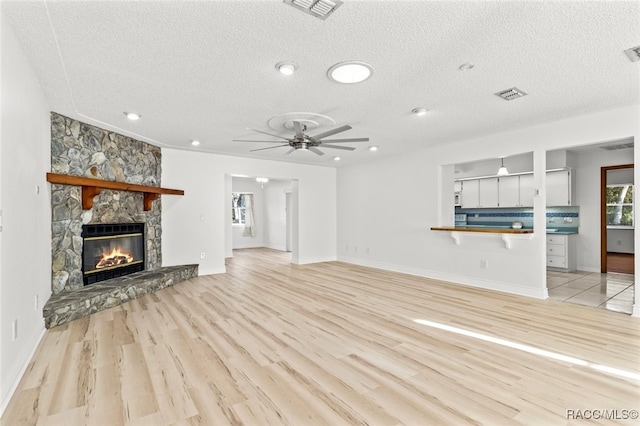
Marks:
<point>238,208</point>
<point>620,205</point>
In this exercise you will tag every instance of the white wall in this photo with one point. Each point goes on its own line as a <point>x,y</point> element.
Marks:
<point>198,221</point>
<point>587,176</point>
<point>386,207</point>
<point>276,214</point>
<point>25,240</point>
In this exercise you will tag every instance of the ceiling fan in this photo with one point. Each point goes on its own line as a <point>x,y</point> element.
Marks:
<point>303,141</point>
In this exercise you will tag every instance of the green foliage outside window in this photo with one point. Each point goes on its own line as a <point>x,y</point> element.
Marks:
<point>620,205</point>
<point>238,208</point>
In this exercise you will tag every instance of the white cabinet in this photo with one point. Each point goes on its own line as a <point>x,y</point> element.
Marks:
<point>479,193</point>
<point>559,188</point>
<point>561,252</point>
<point>489,192</point>
<point>526,190</point>
<point>515,191</point>
<point>470,194</point>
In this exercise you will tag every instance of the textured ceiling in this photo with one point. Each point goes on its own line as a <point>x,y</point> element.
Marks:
<point>206,69</point>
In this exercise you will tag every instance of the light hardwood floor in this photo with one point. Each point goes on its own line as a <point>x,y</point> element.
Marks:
<point>270,343</point>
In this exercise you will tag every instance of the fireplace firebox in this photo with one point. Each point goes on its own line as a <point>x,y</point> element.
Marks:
<point>112,250</point>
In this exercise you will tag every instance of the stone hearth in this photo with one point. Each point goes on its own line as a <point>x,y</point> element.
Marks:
<point>70,305</point>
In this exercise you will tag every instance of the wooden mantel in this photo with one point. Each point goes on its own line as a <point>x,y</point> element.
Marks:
<point>92,187</point>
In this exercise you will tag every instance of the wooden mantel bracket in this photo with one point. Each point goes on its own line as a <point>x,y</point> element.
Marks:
<point>92,187</point>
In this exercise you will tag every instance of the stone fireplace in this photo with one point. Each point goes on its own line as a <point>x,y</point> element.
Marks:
<point>111,251</point>
<point>108,251</point>
<point>79,149</point>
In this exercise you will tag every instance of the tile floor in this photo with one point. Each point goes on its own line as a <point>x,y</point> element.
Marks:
<point>611,291</point>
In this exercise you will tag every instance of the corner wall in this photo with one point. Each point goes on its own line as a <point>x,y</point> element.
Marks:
<point>386,207</point>
<point>26,213</point>
<point>198,221</point>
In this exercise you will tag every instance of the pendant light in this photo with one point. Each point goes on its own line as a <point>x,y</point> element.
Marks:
<point>502,171</point>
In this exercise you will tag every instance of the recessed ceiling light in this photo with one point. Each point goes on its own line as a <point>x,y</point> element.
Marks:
<point>195,143</point>
<point>350,72</point>
<point>466,66</point>
<point>132,116</point>
<point>336,158</point>
<point>286,68</point>
<point>373,148</point>
<point>419,111</point>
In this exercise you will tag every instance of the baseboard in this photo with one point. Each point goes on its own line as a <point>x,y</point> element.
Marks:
<point>588,269</point>
<point>308,260</point>
<point>538,293</point>
<point>211,271</point>
<point>7,398</point>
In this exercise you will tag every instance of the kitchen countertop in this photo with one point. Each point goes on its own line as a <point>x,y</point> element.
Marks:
<point>501,229</point>
<point>487,229</point>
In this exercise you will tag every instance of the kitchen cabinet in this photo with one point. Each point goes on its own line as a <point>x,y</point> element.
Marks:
<point>561,252</point>
<point>479,193</point>
<point>559,188</point>
<point>489,192</point>
<point>515,191</point>
<point>470,194</point>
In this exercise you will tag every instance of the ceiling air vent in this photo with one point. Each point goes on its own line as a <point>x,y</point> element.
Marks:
<point>319,8</point>
<point>618,146</point>
<point>633,54</point>
<point>511,94</point>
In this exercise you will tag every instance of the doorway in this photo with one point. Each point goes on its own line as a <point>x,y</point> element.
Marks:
<point>617,232</point>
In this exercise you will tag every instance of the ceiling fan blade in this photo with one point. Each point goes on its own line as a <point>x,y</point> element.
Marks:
<point>330,132</point>
<point>290,151</point>
<point>315,150</point>
<point>245,140</point>
<point>270,134</point>
<point>269,147</point>
<point>346,148</point>
<point>346,140</point>
<point>298,128</point>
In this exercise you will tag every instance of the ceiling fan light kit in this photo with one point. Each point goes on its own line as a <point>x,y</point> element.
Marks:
<point>304,142</point>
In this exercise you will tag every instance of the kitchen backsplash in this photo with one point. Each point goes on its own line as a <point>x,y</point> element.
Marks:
<point>557,217</point>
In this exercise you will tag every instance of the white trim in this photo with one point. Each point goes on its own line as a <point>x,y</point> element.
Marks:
<point>541,293</point>
<point>12,389</point>
<point>636,310</point>
<point>588,269</point>
<point>309,260</point>
<point>212,271</point>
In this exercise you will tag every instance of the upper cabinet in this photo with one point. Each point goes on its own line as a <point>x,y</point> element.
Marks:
<point>514,190</point>
<point>559,188</point>
<point>478,193</point>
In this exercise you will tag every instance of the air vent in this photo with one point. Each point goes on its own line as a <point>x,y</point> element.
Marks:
<point>511,94</point>
<point>618,146</point>
<point>633,54</point>
<point>319,8</point>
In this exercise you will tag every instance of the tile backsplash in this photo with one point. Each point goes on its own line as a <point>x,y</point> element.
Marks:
<point>557,217</point>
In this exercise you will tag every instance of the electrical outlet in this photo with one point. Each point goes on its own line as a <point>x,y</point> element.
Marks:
<point>619,242</point>
<point>355,248</point>
<point>15,330</point>
<point>484,264</point>
<point>202,255</point>
<point>367,250</point>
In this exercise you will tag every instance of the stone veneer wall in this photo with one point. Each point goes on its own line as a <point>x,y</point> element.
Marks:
<point>80,149</point>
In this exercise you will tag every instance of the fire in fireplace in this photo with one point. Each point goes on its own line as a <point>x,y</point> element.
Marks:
<point>112,250</point>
